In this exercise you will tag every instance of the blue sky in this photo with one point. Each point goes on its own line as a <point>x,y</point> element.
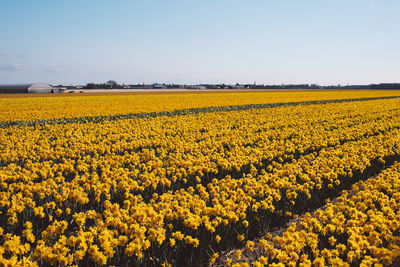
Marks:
<point>208,41</point>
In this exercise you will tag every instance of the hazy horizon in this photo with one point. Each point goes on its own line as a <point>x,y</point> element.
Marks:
<point>192,42</point>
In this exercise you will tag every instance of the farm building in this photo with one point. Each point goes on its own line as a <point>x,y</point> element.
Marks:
<point>33,88</point>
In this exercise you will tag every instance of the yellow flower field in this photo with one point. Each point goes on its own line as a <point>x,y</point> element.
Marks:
<point>180,189</point>
<point>360,228</point>
<point>30,107</point>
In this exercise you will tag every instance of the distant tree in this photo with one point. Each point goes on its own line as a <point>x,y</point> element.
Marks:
<point>90,86</point>
<point>112,84</point>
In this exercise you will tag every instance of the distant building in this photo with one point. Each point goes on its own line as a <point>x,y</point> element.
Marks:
<point>140,86</point>
<point>159,86</point>
<point>32,88</point>
<point>210,86</point>
<point>59,89</point>
<point>196,86</point>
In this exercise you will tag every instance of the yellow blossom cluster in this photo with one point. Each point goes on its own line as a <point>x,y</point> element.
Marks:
<point>360,228</point>
<point>154,190</point>
<point>30,107</point>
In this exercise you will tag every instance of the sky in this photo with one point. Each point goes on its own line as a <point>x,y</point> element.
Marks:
<point>191,42</point>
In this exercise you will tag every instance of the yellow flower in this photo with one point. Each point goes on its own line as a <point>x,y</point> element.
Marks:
<point>238,254</point>
<point>332,240</point>
<point>250,245</point>
<point>214,257</point>
<point>240,238</point>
